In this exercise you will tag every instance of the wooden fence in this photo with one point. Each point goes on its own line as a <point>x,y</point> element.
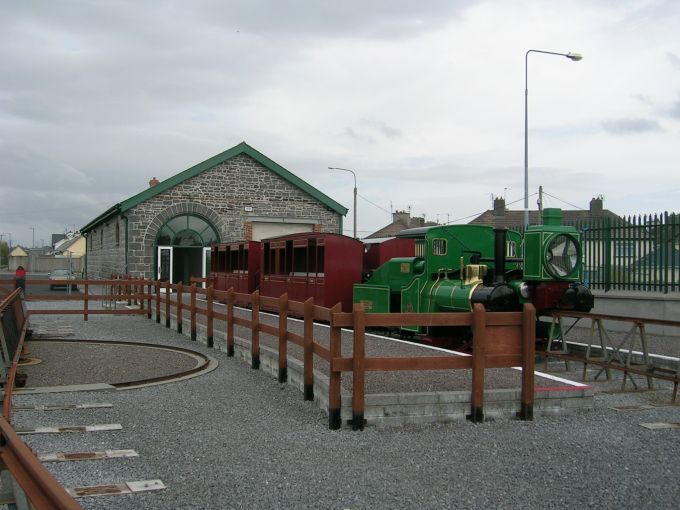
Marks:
<point>37,484</point>
<point>499,339</point>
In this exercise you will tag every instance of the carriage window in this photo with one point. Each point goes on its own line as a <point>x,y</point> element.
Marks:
<point>281,268</point>
<point>320,258</point>
<point>266,268</point>
<point>233,261</point>
<point>245,260</point>
<point>221,261</point>
<point>439,247</point>
<point>511,249</point>
<point>420,248</point>
<point>300,260</point>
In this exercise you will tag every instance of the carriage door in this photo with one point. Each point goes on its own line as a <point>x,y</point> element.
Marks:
<point>165,264</point>
<point>206,265</point>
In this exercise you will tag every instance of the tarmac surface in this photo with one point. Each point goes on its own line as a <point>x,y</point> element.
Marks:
<point>233,437</point>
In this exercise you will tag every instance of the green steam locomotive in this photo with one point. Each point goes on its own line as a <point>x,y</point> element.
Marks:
<point>457,266</point>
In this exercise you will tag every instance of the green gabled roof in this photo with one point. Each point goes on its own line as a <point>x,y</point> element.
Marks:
<point>241,148</point>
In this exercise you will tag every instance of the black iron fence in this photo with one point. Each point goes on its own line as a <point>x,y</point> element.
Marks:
<point>634,253</point>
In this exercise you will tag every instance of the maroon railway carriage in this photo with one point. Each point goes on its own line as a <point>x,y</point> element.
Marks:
<point>236,265</point>
<point>318,265</point>
<point>379,251</point>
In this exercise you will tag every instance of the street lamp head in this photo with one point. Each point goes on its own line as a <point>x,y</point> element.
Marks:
<point>574,56</point>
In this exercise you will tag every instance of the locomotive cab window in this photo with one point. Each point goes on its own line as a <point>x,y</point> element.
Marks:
<point>439,247</point>
<point>420,249</point>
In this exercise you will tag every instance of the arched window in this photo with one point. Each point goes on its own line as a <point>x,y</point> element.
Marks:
<point>187,231</point>
<point>117,233</point>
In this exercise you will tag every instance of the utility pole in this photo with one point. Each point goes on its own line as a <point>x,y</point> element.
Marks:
<point>33,229</point>
<point>540,199</point>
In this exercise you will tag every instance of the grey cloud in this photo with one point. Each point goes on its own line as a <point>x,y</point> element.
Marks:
<point>629,126</point>
<point>675,110</point>
<point>382,128</point>
<point>674,60</point>
<point>368,131</point>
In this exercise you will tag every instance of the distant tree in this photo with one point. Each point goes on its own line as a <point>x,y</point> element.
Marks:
<point>4,254</point>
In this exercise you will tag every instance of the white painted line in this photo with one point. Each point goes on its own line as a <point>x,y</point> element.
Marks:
<point>116,489</point>
<point>72,428</point>
<point>627,351</point>
<point>75,456</point>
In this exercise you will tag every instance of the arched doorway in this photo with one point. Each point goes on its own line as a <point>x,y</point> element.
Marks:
<point>183,248</point>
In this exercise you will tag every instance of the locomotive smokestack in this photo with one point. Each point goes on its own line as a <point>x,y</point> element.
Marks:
<point>499,255</point>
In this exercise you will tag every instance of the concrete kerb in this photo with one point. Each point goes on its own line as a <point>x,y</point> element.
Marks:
<point>395,409</point>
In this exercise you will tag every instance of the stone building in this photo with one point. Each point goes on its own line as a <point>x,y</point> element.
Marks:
<point>166,230</point>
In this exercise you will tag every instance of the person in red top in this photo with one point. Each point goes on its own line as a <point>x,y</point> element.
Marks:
<point>20,278</point>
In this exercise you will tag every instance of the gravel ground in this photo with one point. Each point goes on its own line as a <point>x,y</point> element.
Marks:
<point>235,438</point>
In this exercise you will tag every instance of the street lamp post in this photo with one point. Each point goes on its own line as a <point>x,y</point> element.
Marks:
<point>355,195</point>
<point>571,56</point>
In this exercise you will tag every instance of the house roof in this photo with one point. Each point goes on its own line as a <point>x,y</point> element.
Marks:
<point>242,148</point>
<point>67,243</point>
<point>18,251</point>
<point>510,219</point>
<point>401,222</point>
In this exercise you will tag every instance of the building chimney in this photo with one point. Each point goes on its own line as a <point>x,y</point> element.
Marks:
<point>153,182</point>
<point>403,216</point>
<point>498,206</point>
<point>596,205</point>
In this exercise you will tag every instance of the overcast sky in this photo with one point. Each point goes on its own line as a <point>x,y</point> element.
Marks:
<point>423,100</point>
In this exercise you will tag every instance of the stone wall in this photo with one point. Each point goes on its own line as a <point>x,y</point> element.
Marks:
<point>228,196</point>
<point>106,249</point>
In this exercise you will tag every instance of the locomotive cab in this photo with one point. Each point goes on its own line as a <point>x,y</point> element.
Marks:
<point>553,262</point>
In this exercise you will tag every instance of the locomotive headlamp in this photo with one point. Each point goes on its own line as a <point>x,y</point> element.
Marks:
<point>524,291</point>
<point>562,256</point>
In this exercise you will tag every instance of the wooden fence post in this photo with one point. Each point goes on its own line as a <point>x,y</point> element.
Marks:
<point>158,301</point>
<point>167,304</point>
<point>128,289</point>
<point>148,299</point>
<point>209,341</point>
<point>283,338</point>
<point>528,362</point>
<point>230,322</point>
<point>86,303</point>
<point>179,308</point>
<point>478,353</point>
<point>308,350</point>
<point>334,388</point>
<point>358,368</point>
<point>255,331</point>
<point>192,309</point>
